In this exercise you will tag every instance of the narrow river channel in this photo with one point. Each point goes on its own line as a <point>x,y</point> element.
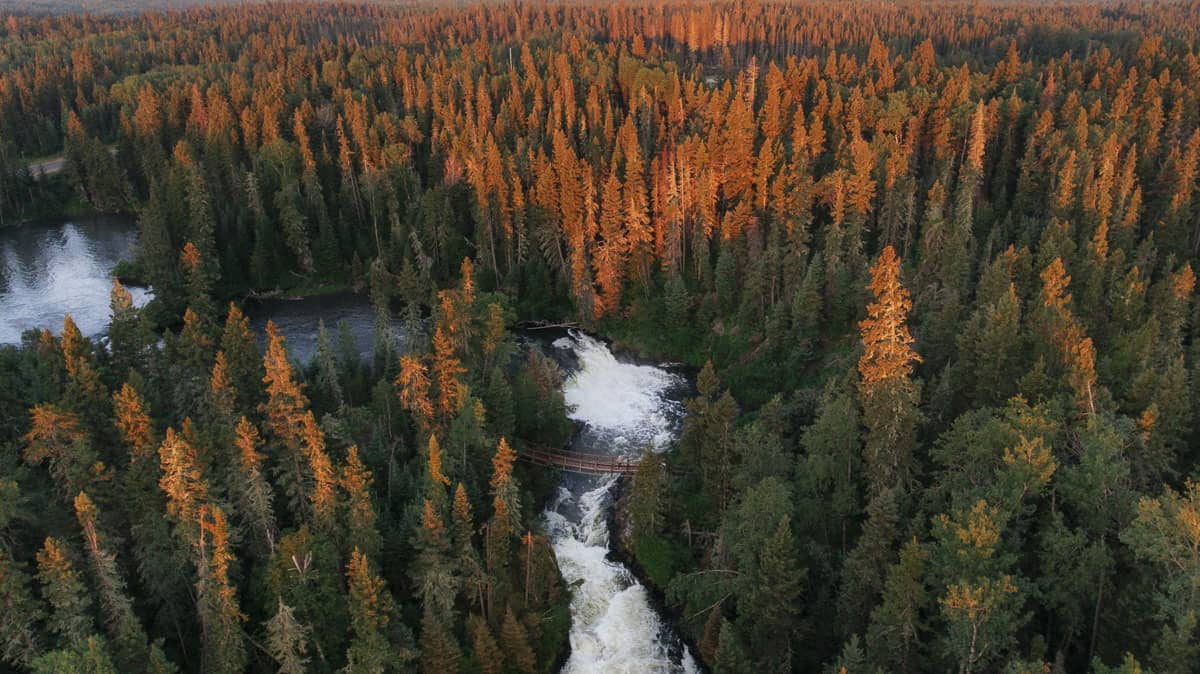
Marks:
<point>622,407</point>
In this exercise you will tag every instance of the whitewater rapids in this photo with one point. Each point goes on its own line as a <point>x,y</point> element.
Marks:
<point>623,407</point>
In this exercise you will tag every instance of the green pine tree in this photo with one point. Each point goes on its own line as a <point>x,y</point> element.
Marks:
<point>515,641</point>
<point>19,613</point>
<point>70,601</point>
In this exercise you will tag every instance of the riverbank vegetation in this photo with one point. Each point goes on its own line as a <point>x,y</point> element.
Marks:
<point>937,262</point>
<point>26,195</point>
<point>196,505</point>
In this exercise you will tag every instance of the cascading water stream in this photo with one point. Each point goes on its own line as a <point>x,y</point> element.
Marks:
<point>623,408</point>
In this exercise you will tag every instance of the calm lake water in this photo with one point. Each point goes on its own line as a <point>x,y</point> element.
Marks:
<point>48,271</point>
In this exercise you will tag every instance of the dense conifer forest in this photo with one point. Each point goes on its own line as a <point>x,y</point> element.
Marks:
<point>933,264</point>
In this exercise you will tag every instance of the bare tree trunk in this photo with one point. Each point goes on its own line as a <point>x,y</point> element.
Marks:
<point>528,560</point>
<point>1096,617</point>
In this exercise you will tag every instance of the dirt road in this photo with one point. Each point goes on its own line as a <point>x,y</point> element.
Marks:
<point>48,167</point>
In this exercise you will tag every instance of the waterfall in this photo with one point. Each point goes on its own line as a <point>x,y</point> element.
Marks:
<point>623,408</point>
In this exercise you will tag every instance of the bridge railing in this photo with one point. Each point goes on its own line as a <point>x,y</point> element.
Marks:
<point>580,462</point>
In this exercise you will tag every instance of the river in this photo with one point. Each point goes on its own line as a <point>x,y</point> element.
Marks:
<point>297,319</point>
<point>50,270</point>
<point>47,271</point>
<point>619,405</point>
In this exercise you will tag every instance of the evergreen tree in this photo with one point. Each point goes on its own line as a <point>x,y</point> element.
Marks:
<point>197,284</point>
<point>646,503</point>
<point>678,303</point>
<point>897,624</point>
<point>706,441</point>
<point>88,657</point>
<point>130,339</point>
<point>830,469</point>
<point>772,603</point>
<point>852,659</point>
<point>70,618</point>
<point>515,641</point>
<point>287,420</point>
<point>304,572</point>
<point>58,438</point>
<point>287,641</point>
<point>245,364</point>
<point>220,616</point>
<point>129,638</point>
<point>1165,533</point>
<point>504,491</point>
<point>731,655</point>
<point>439,652</point>
<point>865,568</point>
<point>18,637</point>
<point>487,652</point>
<point>370,612</point>
<point>470,566</point>
<point>888,394</point>
<point>413,385</point>
<point>328,374</point>
<point>358,511</point>
<point>160,558</point>
<point>250,485</point>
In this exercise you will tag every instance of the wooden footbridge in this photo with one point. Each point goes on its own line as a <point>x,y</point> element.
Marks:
<point>580,462</point>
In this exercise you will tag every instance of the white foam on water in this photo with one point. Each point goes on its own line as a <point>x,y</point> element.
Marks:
<point>614,629</point>
<point>622,401</point>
